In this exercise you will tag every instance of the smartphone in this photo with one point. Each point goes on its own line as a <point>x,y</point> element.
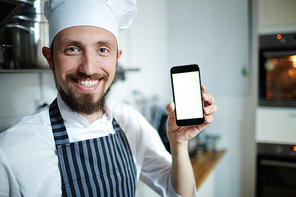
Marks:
<point>187,95</point>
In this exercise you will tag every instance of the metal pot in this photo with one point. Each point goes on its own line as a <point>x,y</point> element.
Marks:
<point>28,36</point>
<point>6,56</point>
<point>32,7</point>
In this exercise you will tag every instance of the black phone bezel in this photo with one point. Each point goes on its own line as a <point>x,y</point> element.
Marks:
<point>184,69</point>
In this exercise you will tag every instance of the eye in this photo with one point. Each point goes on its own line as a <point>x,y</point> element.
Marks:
<point>103,50</point>
<point>71,50</point>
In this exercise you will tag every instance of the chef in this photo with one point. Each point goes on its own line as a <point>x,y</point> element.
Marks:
<point>82,145</point>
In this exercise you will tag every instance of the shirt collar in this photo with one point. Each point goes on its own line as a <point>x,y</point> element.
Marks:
<point>75,119</point>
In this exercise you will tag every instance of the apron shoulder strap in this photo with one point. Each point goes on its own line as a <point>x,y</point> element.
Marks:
<point>57,124</point>
<point>116,125</point>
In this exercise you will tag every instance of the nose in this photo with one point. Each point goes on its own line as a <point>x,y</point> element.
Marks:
<point>88,63</point>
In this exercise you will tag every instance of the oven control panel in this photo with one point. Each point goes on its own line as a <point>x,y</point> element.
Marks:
<point>277,40</point>
<point>283,150</point>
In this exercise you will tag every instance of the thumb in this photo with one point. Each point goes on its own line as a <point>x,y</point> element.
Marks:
<point>171,110</point>
<point>171,123</point>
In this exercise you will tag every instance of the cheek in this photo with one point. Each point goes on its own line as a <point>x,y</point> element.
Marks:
<point>65,65</point>
<point>110,68</point>
<point>61,71</point>
<point>112,71</point>
<point>112,76</point>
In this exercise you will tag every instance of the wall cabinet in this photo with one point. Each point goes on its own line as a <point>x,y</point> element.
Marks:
<point>276,16</point>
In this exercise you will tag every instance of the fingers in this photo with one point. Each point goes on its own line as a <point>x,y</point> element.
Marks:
<point>203,88</point>
<point>210,109</point>
<point>208,113</point>
<point>208,98</point>
<point>208,119</point>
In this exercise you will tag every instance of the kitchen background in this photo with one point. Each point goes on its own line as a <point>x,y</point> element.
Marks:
<point>221,36</point>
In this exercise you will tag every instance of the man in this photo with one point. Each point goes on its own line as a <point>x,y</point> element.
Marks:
<point>79,145</point>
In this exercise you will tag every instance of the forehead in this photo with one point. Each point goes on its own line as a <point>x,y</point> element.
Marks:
<point>85,35</point>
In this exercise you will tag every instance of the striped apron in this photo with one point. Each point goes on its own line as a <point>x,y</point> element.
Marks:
<point>96,167</point>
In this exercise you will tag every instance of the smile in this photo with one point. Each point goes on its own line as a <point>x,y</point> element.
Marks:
<point>88,83</point>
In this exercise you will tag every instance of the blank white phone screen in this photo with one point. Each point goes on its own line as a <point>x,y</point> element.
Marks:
<point>187,95</point>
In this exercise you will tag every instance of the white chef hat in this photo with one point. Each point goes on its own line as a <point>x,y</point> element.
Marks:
<point>112,15</point>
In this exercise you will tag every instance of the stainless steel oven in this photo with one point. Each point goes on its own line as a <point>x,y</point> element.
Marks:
<point>276,170</point>
<point>275,117</point>
<point>277,70</point>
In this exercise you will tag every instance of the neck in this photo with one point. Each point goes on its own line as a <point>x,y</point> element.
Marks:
<point>89,117</point>
<point>93,117</point>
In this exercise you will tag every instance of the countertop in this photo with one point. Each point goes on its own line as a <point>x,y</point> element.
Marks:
<point>204,164</point>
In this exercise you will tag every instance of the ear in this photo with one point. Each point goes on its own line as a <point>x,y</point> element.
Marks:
<point>119,53</point>
<point>48,56</point>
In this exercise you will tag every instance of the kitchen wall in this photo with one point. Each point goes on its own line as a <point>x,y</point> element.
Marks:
<point>167,33</point>
<point>20,95</point>
<point>145,46</point>
<point>216,35</point>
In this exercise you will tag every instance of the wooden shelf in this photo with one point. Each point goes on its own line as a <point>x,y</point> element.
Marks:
<point>203,165</point>
<point>44,70</point>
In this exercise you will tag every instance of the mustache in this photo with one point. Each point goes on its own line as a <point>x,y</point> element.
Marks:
<point>79,75</point>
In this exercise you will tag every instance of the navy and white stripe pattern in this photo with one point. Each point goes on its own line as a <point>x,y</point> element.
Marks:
<point>57,124</point>
<point>97,167</point>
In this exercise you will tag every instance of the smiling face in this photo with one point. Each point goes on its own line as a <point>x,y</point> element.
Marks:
<point>84,63</point>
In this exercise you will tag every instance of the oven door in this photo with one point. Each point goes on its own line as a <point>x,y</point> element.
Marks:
<point>278,78</point>
<point>277,70</point>
<point>276,176</point>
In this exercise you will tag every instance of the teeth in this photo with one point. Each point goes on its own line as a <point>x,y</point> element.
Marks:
<point>88,83</point>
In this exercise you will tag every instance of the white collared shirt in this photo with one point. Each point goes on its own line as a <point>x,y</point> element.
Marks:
<point>28,160</point>
<point>78,127</point>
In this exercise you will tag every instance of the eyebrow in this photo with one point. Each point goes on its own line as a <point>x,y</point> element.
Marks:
<point>67,41</point>
<point>107,42</point>
<point>75,42</point>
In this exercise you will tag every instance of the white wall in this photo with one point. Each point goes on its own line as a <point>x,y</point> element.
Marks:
<point>19,94</point>
<point>145,46</point>
<point>215,35</point>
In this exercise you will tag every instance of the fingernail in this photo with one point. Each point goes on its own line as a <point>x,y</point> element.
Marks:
<point>172,106</point>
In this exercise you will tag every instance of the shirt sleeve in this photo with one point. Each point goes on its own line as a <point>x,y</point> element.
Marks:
<point>156,168</point>
<point>8,184</point>
<point>152,159</point>
<point>171,191</point>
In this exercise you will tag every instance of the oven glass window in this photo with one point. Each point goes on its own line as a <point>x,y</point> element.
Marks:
<point>280,77</point>
<point>276,178</point>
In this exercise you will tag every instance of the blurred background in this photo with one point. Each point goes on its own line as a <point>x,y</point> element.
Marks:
<point>223,38</point>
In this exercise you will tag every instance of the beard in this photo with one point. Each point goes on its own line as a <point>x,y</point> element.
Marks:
<point>82,102</point>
